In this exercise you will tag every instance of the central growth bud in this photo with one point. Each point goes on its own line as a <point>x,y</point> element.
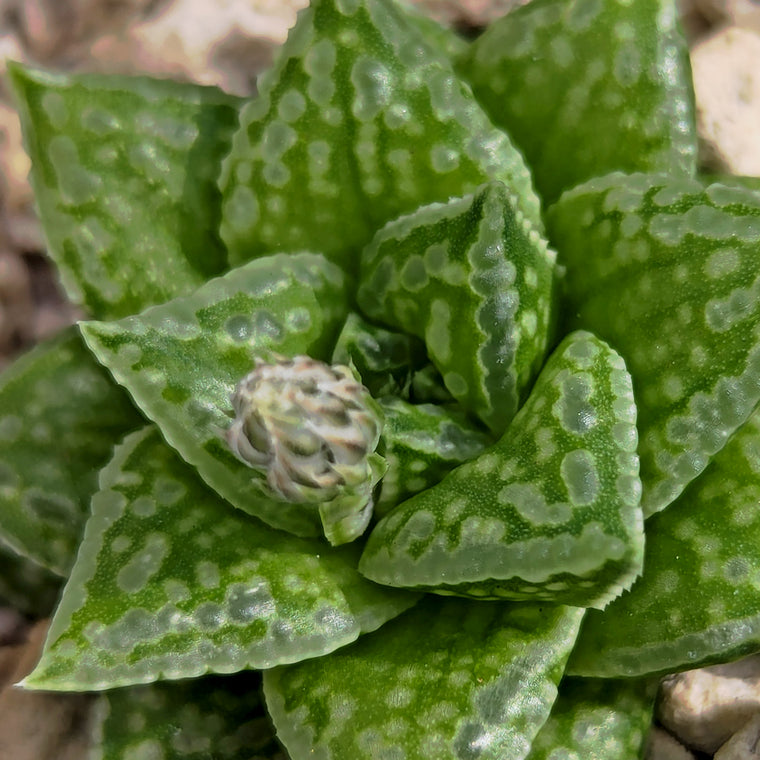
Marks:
<point>312,430</point>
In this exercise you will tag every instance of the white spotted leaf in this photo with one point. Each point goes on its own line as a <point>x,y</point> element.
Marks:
<point>476,282</point>
<point>448,679</point>
<point>586,88</point>
<point>172,582</point>
<point>597,718</point>
<point>219,717</point>
<point>124,171</point>
<point>61,415</point>
<point>361,119</point>
<point>421,443</point>
<point>550,512</point>
<point>181,361</point>
<point>667,272</point>
<point>698,601</point>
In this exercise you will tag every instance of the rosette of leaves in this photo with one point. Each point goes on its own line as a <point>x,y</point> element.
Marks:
<point>554,363</point>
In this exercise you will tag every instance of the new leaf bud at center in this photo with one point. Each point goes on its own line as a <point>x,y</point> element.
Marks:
<point>311,429</point>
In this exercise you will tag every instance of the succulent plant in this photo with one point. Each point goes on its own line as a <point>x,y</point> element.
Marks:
<point>554,315</point>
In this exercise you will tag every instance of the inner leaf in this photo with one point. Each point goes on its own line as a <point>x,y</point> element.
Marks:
<point>182,360</point>
<point>550,512</point>
<point>475,281</point>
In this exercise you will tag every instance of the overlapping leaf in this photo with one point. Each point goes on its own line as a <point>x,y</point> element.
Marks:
<point>586,88</point>
<point>594,718</point>
<point>124,171</point>
<point>172,582</point>
<point>214,717</point>
<point>60,418</point>
<point>182,360</point>
<point>421,443</point>
<point>667,272</point>
<point>475,280</point>
<point>698,600</point>
<point>450,679</point>
<point>361,119</point>
<point>550,512</point>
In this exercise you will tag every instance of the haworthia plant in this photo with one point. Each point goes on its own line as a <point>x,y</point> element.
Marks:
<point>704,606</point>
<point>614,83</point>
<point>360,119</point>
<point>124,175</point>
<point>596,718</point>
<point>439,696</point>
<point>59,421</point>
<point>181,361</point>
<point>649,259</point>
<point>373,216</point>
<point>475,280</point>
<point>215,716</point>
<point>174,583</point>
<point>550,512</point>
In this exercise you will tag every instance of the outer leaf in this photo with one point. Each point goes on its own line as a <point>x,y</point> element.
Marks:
<point>593,718</point>
<point>182,360</point>
<point>421,443</point>
<point>448,680</point>
<point>215,717</point>
<point>668,273</point>
<point>124,172</point>
<point>171,582</point>
<point>586,88</point>
<point>698,601</point>
<point>475,281</point>
<point>29,588</point>
<point>61,415</point>
<point>360,120</point>
<point>550,512</point>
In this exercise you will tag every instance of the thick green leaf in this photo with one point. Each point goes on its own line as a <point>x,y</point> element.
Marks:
<point>182,360</point>
<point>61,416</point>
<point>668,273</point>
<point>550,512</point>
<point>698,601</point>
<point>360,120</point>
<point>172,582</point>
<point>25,585</point>
<point>421,443</point>
<point>124,172</point>
<point>450,680</point>
<point>476,282</point>
<point>586,88</point>
<point>596,719</point>
<point>212,718</point>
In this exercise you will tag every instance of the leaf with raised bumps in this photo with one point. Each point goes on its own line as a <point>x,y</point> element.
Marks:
<point>475,280</point>
<point>124,171</point>
<point>61,415</point>
<point>219,717</point>
<point>586,88</point>
<point>449,679</point>
<point>596,718</point>
<point>182,360</point>
<point>172,582</point>
<point>361,119</point>
<point>550,512</point>
<point>698,601</point>
<point>421,443</point>
<point>667,272</point>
